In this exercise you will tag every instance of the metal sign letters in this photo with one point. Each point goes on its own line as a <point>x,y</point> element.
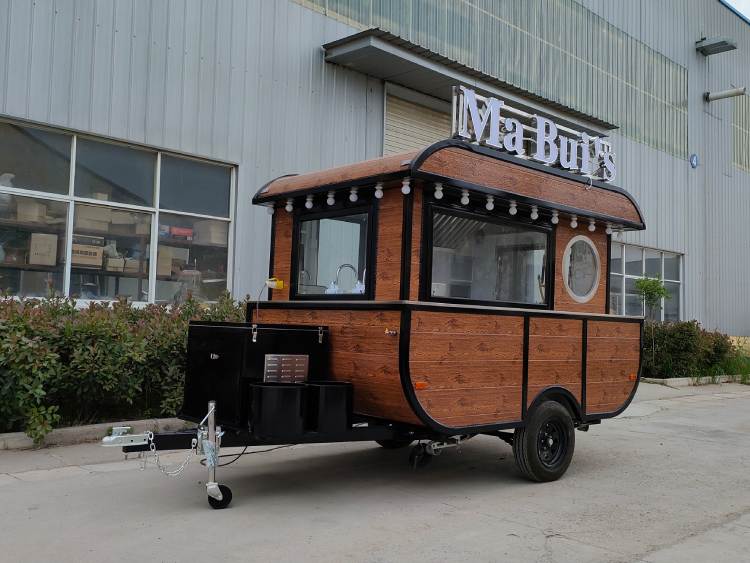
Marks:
<point>491,122</point>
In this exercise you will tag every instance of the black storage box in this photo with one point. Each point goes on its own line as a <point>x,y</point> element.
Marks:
<point>278,410</point>
<point>329,406</point>
<point>223,359</point>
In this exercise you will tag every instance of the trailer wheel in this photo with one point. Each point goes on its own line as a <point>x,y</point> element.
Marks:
<point>544,447</point>
<point>226,498</point>
<point>395,443</point>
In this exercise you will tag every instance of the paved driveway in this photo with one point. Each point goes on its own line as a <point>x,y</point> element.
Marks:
<point>667,481</point>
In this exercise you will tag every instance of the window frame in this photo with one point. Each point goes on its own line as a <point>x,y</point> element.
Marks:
<point>460,211</point>
<point>339,209</point>
<point>624,277</point>
<point>565,263</point>
<point>154,211</point>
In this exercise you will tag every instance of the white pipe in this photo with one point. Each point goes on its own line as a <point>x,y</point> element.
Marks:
<point>712,96</point>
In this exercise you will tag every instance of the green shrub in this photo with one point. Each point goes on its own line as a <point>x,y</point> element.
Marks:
<point>684,349</point>
<point>60,365</point>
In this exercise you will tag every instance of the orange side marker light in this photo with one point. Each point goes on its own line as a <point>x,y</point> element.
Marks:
<point>419,385</point>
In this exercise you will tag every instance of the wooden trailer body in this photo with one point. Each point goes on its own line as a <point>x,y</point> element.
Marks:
<point>419,356</point>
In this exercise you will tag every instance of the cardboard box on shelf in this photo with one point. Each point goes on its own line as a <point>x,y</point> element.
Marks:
<point>88,239</point>
<point>28,210</point>
<point>43,249</point>
<point>87,255</point>
<point>184,233</point>
<point>92,224</point>
<point>115,264</point>
<point>123,218</point>
<point>142,229</point>
<point>102,196</point>
<point>132,265</point>
<point>210,232</point>
<point>94,213</point>
<point>164,262</point>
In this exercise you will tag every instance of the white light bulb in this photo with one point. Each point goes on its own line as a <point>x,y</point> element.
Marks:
<point>490,203</point>
<point>330,200</point>
<point>353,195</point>
<point>608,230</point>
<point>573,222</point>
<point>289,205</point>
<point>534,213</point>
<point>555,217</point>
<point>592,225</point>
<point>513,209</point>
<point>438,190</point>
<point>270,210</point>
<point>405,186</point>
<point>309,202</point>
<point>464,197</point>
<point>379,190</point>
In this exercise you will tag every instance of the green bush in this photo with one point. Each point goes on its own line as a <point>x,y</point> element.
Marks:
<point>684,349</point>
<point>60,365</point>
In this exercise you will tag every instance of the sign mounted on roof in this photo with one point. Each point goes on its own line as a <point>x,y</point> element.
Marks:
<point>491,122</point>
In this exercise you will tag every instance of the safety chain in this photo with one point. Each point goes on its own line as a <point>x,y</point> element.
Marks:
<point>169,471</point>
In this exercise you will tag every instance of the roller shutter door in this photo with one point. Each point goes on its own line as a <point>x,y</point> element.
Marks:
<point>409,126</point>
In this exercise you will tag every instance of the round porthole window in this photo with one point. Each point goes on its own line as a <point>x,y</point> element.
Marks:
<point>581,268</point>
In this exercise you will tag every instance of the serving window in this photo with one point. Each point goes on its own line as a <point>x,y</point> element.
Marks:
<point>333,255</point>
<point>476,258</point>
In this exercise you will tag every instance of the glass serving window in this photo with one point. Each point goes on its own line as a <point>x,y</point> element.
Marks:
<point>332,255</point>
<point>479,260</point>
<point>34,159</point>
<point>110,253</point>
<point>191,258</point>
<point>581,268</point>
<point>32,245</point>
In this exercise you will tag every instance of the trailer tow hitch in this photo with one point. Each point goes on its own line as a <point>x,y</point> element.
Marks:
<point>422,453</point>
<point>206,442</point>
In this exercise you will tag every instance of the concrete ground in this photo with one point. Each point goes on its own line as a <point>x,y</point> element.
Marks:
<point>669,480</point>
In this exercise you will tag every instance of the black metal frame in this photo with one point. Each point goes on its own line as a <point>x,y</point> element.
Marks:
<point>341,209</point>
<point>406,308</point>
<point>425,274</point>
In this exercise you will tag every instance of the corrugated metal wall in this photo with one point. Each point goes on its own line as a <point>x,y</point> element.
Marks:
<point>556,49</point>
<point>233,80</point>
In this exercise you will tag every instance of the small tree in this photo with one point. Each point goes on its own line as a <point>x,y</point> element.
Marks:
<point>652,291</point>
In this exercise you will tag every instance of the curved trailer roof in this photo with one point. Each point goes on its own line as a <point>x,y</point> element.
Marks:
<point>457,164</point>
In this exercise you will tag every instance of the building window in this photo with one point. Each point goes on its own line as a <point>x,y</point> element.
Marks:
<point>102,232</point>
<point>487,259</point>
<point>332,254</point>
<point>628,263</point>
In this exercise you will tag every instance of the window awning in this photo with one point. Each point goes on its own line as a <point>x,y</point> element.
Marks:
<point>377,53</point>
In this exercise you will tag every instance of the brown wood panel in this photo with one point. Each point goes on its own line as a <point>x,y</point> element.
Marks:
<point>613,359</point>
<point>362,353</point>
<point>416,243</point>
<point>461,164</point>
<point>555,356</point>
<point>563,300</point>
<point>463,408</point>
<point>471,366</point>
<point>368,168</point>
<point>466,373</point>
<point>388,266</point>
<point>608,396</point>
<point>462,347</point>
<point>282,253</point>
<point>466,323</point>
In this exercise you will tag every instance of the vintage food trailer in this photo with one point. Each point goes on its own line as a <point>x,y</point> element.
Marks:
<point>429,297</point>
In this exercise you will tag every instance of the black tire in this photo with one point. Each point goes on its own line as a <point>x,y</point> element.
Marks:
<point>395,444</point>
<point>544,447</point>
<point>226,498</point>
